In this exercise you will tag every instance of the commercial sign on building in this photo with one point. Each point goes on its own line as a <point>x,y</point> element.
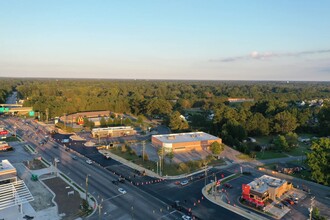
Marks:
<point>31,113</point>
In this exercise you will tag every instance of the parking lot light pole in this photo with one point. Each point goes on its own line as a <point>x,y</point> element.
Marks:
<point>157,166</point>
<point>160,165</point>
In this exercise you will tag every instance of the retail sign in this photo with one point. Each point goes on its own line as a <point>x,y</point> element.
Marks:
<point>31,113</point>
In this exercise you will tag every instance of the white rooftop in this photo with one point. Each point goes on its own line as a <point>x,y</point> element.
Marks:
<point>5,166</point>
<point>185,137</point>
<point>111,128</point>
<point>262,183</point>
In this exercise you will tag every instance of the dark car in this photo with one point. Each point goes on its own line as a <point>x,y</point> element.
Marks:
<point>176,205</point>
<point>285,203</point>
<point>121,179</point>
<point>227,185</point>
<point>115,182</point>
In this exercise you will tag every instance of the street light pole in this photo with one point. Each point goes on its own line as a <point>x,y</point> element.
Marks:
<point>205,174</point>
<point>143,148</point>
<point>160,165</point>
<point>100,208</point>
<point>157,166</point>
<point>87,186</point>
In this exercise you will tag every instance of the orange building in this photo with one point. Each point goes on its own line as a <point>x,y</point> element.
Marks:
<point>184,141</point>
<point>264,188</point>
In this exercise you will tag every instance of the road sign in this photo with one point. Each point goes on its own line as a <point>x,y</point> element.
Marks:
<point>31,113</point>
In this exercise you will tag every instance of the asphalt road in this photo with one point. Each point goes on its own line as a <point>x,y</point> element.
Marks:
<point>136,204</point>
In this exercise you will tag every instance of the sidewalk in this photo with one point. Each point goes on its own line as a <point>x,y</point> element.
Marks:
<point>238,210</point>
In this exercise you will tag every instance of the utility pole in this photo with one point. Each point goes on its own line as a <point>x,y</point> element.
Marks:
<point>87,187</point>
<point>47,114</point>
<point>100,209</point>
<point>65,121</point>
<point>143,149</point>
<point>205,173</point>
<point>311,208</point>
<point>55,163</point>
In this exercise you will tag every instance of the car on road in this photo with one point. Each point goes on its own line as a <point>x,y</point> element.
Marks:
<point>67,149</point>
<point>122,191</point>
<point>184,182</point>
<point>74,157</point>
<point>115,182</point>
<point>227,185</point>
<point>186,217</point>
<point>56,160</point>
<point>176,205</point>
<point>89,161</point>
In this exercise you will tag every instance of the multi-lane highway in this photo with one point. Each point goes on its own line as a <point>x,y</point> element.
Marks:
<point>140,202</point>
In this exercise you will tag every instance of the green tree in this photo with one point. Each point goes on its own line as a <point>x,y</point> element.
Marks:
<point>170,155</point>
<point>233,129</point>
<point>292,139</point>
<point>140,119</point>
<point>324,121</point>
<point>284,122</point>
<point>103,122</point>
<point>257,124</point>
<point>318,160</point>
<point>176,123</point>
<point>216,147</point>
<point>280,143</point>
<point>159,107</point>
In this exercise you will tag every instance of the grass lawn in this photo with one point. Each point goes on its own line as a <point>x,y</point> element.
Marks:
<point>264,140</point>
<point>269,155</point>
<point>170,169</point>
<point>11,139</point>
<point>219,162</point>
<point>244,157</point>
<point>304,174</point>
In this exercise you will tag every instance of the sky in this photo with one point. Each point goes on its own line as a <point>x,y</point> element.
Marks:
<point>166,39</point>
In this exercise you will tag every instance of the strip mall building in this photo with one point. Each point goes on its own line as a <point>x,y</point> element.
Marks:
<point>184,141</point>
<point>113,131</point>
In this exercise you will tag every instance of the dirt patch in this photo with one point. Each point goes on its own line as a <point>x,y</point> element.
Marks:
<point>68,205</point>
<point>34,164</point>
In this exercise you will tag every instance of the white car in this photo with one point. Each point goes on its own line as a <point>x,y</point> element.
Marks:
<point>122,191</point>
<point>186,217</point>
<point>184,182</point>
<point>89,161</point>
<point>56,160</point>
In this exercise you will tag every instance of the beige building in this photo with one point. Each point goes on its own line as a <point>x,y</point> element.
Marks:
<point>7,172</point>
<point>184,141</point>
<point>264,188</point>
<point>113,132</point>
